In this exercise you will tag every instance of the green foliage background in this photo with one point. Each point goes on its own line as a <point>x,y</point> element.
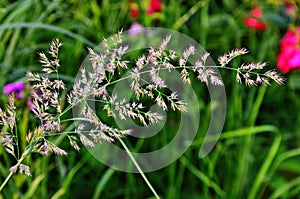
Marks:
<point>257,155</point>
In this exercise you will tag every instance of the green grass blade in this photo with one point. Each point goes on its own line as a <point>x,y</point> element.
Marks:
<point>103,181</point>
<point>201,176</point>
<point>265,166</point>
<point>46,27</point>
<point>67,182</point>
<point>188,15</point>
<point>139,168</point>
<point>239,133</point>
<point>277,162</point>
<point>285,188</point>
<point>33,187</point>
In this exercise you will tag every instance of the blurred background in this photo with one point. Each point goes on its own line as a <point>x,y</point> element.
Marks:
<point>257,155</point>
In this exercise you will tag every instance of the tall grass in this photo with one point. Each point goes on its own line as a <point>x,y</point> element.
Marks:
<point>257,155</point>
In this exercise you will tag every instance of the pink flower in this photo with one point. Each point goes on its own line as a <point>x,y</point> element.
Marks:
<point>289,56</point>
<point>291,9</point>
<point>155,6</point>
<point>255,24</point>
<point>288,60</point>
<point>17,88</point>
<point>254,21</point>
<point>135,29</point>
<point>291,38</point>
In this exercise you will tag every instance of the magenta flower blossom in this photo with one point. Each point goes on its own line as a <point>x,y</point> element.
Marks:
<point>17,88</point>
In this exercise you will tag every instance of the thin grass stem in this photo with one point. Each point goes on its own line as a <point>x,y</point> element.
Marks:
<point>139,169</point>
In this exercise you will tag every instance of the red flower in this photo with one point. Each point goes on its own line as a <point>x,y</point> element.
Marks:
<point>289,56</point>
<point>134,10</point>
<point>255,24</point>
<point>155,6</point>
<point>256,11</point>
<point>254,21</point>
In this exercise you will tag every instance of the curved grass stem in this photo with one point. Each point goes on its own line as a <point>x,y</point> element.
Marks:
<point>24,155</point>
<point>139,169</point>
<point>6,181</point>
